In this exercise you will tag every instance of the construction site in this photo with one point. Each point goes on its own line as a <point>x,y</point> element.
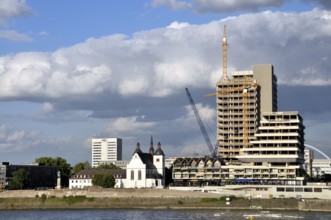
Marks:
<point>255,143</point>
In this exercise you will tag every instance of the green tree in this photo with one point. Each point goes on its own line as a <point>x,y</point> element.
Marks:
<point>62,165</point>
<point>104,180</point>
<point>107,167</point>
<point>20,180</point>
<point>80,166</point>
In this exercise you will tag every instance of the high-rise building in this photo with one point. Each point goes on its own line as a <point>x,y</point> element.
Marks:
<point>255,140</point>
<point>106,150</point>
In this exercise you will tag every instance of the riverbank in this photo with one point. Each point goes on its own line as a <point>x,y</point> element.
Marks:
<point>146,199</point>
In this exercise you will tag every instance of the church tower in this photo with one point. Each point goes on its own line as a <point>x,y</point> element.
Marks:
<point>158,160</point>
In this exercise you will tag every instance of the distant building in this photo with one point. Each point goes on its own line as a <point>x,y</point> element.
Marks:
<point>83,178</point>
<point>40,176</point>
<point>169,161</point>
<point>321,167</point>
<point>106,150</point>
<point>121,163</point>
<point>308,166</point>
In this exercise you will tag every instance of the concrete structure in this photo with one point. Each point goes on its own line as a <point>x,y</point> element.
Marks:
<point>40,176</point>
<point>308,166</point>
<point>258,143</point>
<point>83,179</point>
<point>321,167</point>
<point>198,171</point>
<point>265,191</point>
<point>106,150</point>
<point>121,163</point>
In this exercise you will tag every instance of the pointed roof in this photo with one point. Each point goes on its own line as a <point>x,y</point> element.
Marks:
<point>159,151</point>
<point>137,148</point>
<point>151,148</point>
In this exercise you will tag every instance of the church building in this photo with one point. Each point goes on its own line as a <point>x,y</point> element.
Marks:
<point>145,170</point>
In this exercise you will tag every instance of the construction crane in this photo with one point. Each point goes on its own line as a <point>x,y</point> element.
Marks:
<point>225,56</point>
<point>201,125</point>
<point>246,86</point>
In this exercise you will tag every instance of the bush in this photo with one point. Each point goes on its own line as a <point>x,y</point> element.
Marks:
<point>43,198</point>
<point>74,199</point>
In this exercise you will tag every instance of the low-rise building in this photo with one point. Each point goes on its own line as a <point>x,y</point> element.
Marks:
<point>198,171</point>
<point>40,176</point>
<point>84,178</point>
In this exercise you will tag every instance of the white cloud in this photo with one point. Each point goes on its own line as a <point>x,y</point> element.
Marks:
<point>16,140</point>
<point>129,124</point>
<point>173,4</point>
<point>13,8</point>
<point>234,5</point>
<point>161,62</point>
<point>14,36</point>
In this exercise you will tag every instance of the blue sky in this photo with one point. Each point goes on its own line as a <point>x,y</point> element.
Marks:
<point>73,70</point>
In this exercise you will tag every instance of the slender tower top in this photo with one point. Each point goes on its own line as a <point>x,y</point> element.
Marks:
<point>225,55</point>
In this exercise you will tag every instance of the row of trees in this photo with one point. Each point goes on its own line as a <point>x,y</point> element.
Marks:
<point>20,178</point>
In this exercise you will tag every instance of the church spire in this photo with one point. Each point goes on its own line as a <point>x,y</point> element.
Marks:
<point>137,148</point>
<point>151,148</point>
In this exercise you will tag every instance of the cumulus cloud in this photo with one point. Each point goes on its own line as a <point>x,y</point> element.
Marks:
<point>16,140</point>
<point>116,75</point>
<point>324,3</point>
<point>173,4</point>
<point>10,9</point>
<point>14,36</point>
<point>158,63</point>
<point>234,5</point>
<point>13,8</point>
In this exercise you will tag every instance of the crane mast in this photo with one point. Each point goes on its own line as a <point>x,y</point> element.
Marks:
<point>201,125</point>
<point>225,55</point>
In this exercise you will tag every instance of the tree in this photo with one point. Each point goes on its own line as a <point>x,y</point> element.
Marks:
<point>80,166</point>
<point>104,180</point>
<point>62,165</point>
<point>107,166</point>
<point>20,180</point>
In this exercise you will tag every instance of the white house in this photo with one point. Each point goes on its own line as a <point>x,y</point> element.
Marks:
<point>145,170</point>
<point>83,178</point>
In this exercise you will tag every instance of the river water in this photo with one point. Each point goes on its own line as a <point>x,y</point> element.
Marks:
<point>157,214</point>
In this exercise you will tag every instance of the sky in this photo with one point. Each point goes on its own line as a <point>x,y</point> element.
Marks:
<point>81,69</point>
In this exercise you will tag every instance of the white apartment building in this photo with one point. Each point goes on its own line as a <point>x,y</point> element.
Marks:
<point>308,166</point>
<point>106,150</point>
<point>321,167</point>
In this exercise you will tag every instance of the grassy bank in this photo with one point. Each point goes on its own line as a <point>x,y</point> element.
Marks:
<point>83,202</point>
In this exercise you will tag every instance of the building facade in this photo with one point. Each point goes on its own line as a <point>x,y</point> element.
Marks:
<point>83,179</point>
<point>257,143</point>
<point>39,176</point>
<point>145,170</point>
<point>198,171</point>
<point>106,150</point>
<point>321,167</point>
<point>308,166</point>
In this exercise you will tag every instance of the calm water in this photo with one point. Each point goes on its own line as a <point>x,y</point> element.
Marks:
<point>156,214</point>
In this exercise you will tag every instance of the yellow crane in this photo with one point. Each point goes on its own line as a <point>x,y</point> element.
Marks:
<point>246,86</point>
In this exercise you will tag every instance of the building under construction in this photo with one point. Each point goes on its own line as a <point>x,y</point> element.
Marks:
<point>256,141</point>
